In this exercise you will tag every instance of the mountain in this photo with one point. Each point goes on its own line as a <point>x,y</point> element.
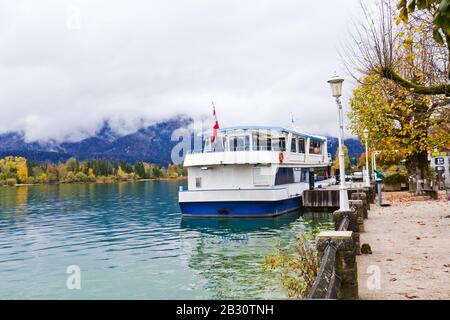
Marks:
<point>354,146</point>
<point>151,144</point>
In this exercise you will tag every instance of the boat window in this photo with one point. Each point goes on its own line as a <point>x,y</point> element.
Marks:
<point>207,147</point>
<point>315,147</point>
<point>240,143</point>
<point>198,182</point>
<point>294,145</point>
<point>261,141</point>
<point>301,145</point>
<point>297,174</point>
<point>219,145</point>
<point>279,144</point>
<point>284,176</point>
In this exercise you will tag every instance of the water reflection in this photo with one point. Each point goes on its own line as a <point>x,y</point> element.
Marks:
<point>236,225</point>
<point>229,253</point>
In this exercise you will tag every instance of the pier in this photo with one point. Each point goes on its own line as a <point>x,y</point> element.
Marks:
<point>328,197</point>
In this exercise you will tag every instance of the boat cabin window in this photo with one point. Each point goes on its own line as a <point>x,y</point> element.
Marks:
<point>301,145</point>
<point>207,147</point>
<point>294,145</point>
<point>240,143</point>
<point>216,146</point>
<point>279,144</point>
<point>198,182</point>
<point>315,147</point>
<point>261,141</point>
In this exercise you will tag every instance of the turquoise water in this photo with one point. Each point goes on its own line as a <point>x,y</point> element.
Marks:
<point>130,242</point>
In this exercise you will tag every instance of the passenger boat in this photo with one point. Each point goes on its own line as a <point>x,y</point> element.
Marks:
<point>253,171</point>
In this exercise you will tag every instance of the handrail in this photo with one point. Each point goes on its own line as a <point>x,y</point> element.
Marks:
<point>325,281</point>
<point>344,224</point>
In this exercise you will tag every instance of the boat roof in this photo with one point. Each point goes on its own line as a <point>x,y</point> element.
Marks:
<point>274,128</point>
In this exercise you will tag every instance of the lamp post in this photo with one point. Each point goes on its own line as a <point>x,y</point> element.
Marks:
<point>336,90</point>
<point>366,175</point>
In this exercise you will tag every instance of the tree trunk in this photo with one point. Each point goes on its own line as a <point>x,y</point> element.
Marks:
<point>417,166</point>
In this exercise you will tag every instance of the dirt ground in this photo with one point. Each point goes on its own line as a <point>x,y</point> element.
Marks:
<point>410,242</point>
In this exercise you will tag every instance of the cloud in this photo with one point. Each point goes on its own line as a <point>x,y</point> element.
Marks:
<point>67,66</point>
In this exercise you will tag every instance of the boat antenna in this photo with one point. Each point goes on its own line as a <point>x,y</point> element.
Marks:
<point>292,120</point>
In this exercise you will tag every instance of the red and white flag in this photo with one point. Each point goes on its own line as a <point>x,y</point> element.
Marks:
<point>216,124</point>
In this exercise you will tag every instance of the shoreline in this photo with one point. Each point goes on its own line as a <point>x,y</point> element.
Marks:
<point>92,182</point>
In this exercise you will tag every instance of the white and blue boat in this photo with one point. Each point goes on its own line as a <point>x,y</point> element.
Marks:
<point>253,171</point>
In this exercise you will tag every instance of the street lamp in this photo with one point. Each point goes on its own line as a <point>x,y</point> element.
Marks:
<point>336,91</point>
<point>366,175</point>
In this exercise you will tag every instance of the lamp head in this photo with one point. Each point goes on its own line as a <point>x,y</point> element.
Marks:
<point>366,133</point>
<point>336,85</point>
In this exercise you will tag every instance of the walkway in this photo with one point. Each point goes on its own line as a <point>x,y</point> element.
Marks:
<point>410,241</point>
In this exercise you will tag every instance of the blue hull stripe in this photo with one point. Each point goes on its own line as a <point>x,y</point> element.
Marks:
<point>239,208</point>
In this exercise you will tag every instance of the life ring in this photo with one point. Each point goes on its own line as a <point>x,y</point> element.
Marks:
<point>281,157</point>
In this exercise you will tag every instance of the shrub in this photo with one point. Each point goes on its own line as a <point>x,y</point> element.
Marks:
<point>30,180</point>
<point>81,177</point>
<point>395,178</point>
<point>299,270</point>
<point>69,177</point>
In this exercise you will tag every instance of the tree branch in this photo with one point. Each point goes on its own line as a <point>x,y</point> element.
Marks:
<point>390,74</point>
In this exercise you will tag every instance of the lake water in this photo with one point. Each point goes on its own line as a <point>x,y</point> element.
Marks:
<point>130,242</point>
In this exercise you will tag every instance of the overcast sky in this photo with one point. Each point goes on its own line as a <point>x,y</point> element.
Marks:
<point>67,66</point>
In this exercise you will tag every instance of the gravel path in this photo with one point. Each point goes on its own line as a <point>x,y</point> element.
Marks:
<point>410,241</point>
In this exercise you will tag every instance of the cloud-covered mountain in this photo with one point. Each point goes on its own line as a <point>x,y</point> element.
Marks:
<point>152,144</point>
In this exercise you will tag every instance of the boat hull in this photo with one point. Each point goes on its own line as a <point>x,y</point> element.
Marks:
<point>229,209</point>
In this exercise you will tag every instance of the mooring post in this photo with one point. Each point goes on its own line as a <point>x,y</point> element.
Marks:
<point>345,262</point>
<point>362,196</point>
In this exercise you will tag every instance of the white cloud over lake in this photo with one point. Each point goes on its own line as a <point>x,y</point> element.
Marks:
<point>67,66</point>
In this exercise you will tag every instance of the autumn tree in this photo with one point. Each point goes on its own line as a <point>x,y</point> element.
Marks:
<point>400,57</point>
<point>362,160</point>
<point>399,121</point>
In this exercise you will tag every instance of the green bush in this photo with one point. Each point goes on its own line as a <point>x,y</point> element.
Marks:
<point>395,178</point>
